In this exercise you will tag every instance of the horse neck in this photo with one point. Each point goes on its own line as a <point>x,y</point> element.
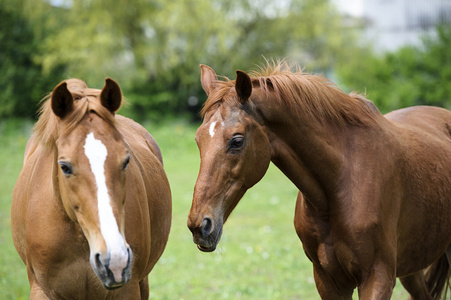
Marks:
<point>309,152</point>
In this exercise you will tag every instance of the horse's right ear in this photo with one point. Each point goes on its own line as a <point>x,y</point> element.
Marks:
<point>208,78</point>
<point>62,101</point>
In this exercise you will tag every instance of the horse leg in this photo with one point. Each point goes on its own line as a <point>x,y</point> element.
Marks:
<point>429,284</point>
<point>144,288</point>
<point>415,284</point>
<point>378,283</point>
<point>327,287</point>
<point>437,277</point>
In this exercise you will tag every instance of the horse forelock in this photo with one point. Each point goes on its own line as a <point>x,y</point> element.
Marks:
<point>313,95</point>
<point>218,95</point>
<point>49,127</point>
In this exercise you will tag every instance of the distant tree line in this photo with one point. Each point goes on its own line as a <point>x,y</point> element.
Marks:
<point>153,48</point>
<point>406,77</point>
<point>22,80</point>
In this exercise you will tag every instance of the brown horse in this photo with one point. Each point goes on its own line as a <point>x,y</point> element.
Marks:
<point>91,210</point>
<point>376,190</point>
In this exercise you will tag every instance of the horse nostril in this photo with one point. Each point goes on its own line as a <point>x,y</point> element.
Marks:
<point>207,226</point>
<point>97,260</point>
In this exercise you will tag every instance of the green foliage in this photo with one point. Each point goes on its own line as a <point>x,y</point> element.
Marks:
<point>13,274</point>
<point>409,76</point>
<point>230,35</point>
<point>154,48</point>
<point>21,82</point>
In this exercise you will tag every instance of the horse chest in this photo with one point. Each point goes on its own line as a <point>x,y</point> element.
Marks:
<point>323,253</point>
<point>324,247</point>
<point>330,258</point>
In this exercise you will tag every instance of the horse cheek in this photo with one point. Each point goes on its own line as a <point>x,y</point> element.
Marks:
<point>260,159</point>
<point>66,194</point>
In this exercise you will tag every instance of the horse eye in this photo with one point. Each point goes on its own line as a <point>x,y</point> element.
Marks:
<point>66,168</point>
<point>236,142</point>
<point>127,160</point>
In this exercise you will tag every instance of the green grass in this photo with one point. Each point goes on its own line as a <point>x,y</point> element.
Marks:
<point>13,274</point>
<point>259,256</point>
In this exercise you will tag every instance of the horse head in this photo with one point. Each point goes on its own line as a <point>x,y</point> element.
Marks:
<point>235,154</point>
<point>90,174</point>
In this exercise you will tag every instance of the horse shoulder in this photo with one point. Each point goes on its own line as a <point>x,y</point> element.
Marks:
<point>21,196</point>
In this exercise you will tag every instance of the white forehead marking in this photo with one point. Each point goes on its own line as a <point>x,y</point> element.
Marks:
<point>96,152</point>
<point>212,129</point>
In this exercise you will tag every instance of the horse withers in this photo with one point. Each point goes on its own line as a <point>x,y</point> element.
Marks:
<point>91,209</point>
<point>375,191</point>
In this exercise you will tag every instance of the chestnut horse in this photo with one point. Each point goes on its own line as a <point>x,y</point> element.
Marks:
<point>91,209</point>
<point>375,191</point>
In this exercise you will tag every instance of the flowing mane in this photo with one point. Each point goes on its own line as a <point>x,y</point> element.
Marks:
<point>49,126</point>
<point>314,95</point>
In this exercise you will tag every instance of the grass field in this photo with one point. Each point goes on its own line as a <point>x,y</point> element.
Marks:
<point>259,256</point>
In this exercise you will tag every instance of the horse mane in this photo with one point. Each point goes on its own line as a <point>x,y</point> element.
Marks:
<point>49,127</point>
<point>313,95</point>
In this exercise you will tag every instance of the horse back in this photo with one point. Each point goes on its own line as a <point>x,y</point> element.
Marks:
<point>425,119</point>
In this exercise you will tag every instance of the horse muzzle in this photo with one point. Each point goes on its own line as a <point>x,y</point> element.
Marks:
<point>207,235</point>
<point>113,269</point>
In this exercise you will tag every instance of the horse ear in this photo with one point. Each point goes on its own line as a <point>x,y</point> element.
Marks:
<point>62,101</point>
<point>243,86</point>
<point>111,95</point>
<point>208,78</point>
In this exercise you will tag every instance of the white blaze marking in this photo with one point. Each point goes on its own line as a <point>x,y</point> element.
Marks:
<point>212,129</point>
<point>96,153</point>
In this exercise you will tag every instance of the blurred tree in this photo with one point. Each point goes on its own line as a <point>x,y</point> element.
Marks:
<point>409,76</point>
<point>236,34</point>
<point>154,48</point>
<point>22,83</point>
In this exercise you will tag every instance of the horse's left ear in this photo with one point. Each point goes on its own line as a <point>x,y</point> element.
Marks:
<point>111,95</point>
<point>243,86</point>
